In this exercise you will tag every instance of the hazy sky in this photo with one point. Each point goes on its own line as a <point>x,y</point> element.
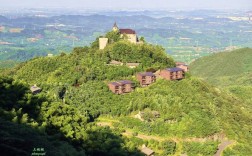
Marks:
<point>131,4</point>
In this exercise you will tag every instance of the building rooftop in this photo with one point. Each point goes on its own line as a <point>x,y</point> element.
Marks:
<point>127,31</point>
<point>132,64</point>
<point>35,88</point>
<point>125,82</point>
<point>147,151</point>
<point>115,62</point>
<point>146,74</point>
<point>121,82</point>
<point>115,83</point>
<point>180,63</point>
<point>115,25</point>
<point>175,69</point>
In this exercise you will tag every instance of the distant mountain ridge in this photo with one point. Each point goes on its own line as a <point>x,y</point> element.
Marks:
<point>106,20</point>
<point>200,32</point>
<point>3,19</point>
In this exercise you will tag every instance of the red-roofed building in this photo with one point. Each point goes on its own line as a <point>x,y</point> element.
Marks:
<point>130,34</point>
<point>120,87</point>
<point>183,66</point>
<point>172,73</point>
<point>146,78</point>
<point>127,34</point>
<point>127,31</point>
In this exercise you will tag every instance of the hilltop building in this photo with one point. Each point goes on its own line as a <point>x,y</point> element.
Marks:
<point>183,66</point>
<point>120,87</point>
<point>172,73</point>
<point>146,78</point>
<point>103,43</point>
<point>128,34</point>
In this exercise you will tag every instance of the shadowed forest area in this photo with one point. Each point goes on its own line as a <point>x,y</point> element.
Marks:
<point>30,121</point>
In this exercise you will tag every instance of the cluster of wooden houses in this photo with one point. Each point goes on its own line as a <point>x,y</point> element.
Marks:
<point>147,78</point>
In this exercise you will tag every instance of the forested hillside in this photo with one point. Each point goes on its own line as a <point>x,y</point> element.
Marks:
<point>76,110</point>
<point>40,122</point>
<point>85,64</point>
<point>231,70</point>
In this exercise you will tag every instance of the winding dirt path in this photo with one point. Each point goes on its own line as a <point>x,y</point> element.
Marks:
<point>223,146</point>
<point>129,133</point>
<point>144,137</point>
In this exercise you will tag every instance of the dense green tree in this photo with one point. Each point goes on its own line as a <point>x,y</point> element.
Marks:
<point>113,36</point>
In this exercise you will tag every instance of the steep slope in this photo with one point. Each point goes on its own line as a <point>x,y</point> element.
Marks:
<point>49,114</point>
<point>232,70</point>
<point>223,64</point>
<point>30,122</point>
<point>85,64</point>
<point>75,95</point>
